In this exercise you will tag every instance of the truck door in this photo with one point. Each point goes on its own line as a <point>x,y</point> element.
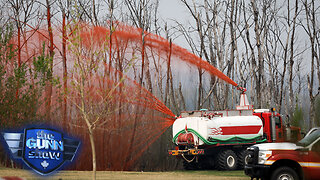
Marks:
<point>314,161</point>
<point>279,129</point>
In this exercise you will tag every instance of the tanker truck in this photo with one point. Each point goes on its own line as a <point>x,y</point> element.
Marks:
<point>208,139</point>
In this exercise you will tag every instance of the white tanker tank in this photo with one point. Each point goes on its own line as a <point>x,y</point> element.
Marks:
<point>212,130</point>
<point>219,127</point>
<point>217,138</point>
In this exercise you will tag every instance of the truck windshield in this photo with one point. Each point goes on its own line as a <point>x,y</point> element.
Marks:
<point>309,139</point>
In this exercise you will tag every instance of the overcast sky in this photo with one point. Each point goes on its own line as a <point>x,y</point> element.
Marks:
<point>174,9</point>
<point>170,9</point>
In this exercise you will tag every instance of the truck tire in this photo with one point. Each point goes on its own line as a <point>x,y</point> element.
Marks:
<point>227,160</point>
<point>242,158</point>
<point>284,173</point>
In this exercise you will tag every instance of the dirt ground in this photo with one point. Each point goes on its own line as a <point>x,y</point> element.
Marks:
<point>127,175</point>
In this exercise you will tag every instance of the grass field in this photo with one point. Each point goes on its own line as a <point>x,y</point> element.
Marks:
<point>128,175</point>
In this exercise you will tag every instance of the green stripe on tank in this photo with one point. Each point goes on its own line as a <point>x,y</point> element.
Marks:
<point>213,141</point>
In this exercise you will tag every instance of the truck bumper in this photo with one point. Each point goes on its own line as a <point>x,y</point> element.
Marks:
<point>257,170</point>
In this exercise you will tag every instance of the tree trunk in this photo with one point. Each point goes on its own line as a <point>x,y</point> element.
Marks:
<point>168,75</point>
<point>19,55</point>
<point>51,53</point>
<point>93,149</point>
<point>64,63</point>
<point>142,58</point>
<point>89,126</point>
<point>182,97</point>
<point>233,44</point>
<point>259,85</point>
<point>311,31</point>
<point>200,90</point>
<point>291,61</point>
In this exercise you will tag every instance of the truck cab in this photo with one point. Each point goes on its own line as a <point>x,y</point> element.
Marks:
<point>295,161</point>
<point>275,128</point>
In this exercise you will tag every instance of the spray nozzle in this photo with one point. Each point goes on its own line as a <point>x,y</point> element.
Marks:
<point>242,89</point>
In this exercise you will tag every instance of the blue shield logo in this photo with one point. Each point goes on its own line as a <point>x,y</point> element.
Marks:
<point>43,150</point>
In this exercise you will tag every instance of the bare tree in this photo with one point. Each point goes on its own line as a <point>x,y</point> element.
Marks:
<point>258,28</point>
<point>142,14</point>
<point>51,54</point>
<point>210,43</point>
<point>89,11</point>
<point>312,29</point>
<point>291,58</point>
<point>65,7</point>
<point>23,12</point>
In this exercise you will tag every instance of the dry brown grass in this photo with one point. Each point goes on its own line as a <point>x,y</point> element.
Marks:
<point>127,175</point>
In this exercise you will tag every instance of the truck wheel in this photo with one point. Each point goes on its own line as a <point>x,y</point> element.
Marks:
<point>227,160</point>
<point>284,173</point>
<point>242,158</point>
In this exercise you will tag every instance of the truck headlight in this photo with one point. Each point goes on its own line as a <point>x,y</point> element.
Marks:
<point>263,156</point>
